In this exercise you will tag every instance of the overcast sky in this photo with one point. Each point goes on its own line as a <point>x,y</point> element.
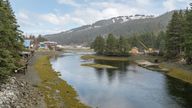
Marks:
<point>52,16</point>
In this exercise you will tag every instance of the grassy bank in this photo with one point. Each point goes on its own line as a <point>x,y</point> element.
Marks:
<point>57,93</point>
<point>179,73</point>
<point>99,66</point>
<point>87,57</point>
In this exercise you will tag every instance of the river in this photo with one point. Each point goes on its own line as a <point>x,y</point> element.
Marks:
<point>129,86</point>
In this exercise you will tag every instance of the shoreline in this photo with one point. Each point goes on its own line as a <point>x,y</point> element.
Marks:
<point>177,72</point>
<point>57,92</point>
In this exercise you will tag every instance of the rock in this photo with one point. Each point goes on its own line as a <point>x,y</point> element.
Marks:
<point>47,87</point>
<point>17,94</point>
<point>57,91</point>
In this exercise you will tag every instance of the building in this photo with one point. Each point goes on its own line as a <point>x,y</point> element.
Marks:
<point>134,51</point>
<point>30,42</point>
<point>48,45</point>
<point>27,43</point>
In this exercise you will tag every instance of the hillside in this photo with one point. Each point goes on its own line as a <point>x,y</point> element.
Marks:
<point>122,25</point>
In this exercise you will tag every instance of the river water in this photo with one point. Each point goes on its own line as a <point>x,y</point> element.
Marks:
<point>129,86</point>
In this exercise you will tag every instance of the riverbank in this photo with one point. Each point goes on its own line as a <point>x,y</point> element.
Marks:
<point>175,70</point>
<point>57,92</point>
<point>110,58</point>
<point>99,66</point>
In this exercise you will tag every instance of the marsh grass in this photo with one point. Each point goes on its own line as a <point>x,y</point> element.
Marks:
<point>110,58</point>
<point>57,93</point>
<point>99,66</point>
<point>179,73</point>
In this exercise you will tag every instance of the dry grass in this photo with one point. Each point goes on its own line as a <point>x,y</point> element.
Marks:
<point>180,74</point>
<point>57,92</point>
<point>99,66</point>
<point>110,58</point>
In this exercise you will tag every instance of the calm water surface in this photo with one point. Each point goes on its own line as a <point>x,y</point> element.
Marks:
<point>129,86</point>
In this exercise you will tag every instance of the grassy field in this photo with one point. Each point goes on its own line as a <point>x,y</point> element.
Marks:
<point>57,93</point>
<point>99,66</point>
<point>87,57</point>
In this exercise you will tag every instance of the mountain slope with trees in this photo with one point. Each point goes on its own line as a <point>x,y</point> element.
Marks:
<point>116,26</point>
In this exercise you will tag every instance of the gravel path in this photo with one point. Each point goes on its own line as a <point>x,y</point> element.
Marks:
<point>33,79</point>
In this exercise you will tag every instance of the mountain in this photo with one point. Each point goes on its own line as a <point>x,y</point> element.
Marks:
<point>121,25</point>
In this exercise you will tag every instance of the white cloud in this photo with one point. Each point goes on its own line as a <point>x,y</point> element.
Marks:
<point>68,2</point>
<point>60,20</point>
<point>144,2</point>
<point>103,10</point>
<point>89,12</point>
<point>22,15</point>
<point>169,4</point>
<point>172,4</point>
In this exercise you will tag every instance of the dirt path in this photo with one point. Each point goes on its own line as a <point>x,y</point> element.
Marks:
<point>33,79</point>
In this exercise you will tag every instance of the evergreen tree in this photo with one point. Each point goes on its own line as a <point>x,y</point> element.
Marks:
<point>111,45</point>
<point>160,42</point>
<point>10,40</point>
<point>123,46</point>
<point>174,35</point>
<point>99,45</point>
<point>188,36</point>
<point>40,38</point>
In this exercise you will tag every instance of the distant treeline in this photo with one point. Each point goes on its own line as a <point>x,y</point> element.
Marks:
<point>179,36</point>
<point>113,46</point>
<point>11,42</point>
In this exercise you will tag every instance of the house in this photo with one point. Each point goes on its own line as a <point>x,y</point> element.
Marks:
<point>30,42</point>
<point>134,51</point>
<point>48,45</point>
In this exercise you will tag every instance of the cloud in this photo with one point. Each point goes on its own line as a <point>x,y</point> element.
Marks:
<point>144,2</point>
<point>103,10</point>
<point>60,20</point>
<point>68,2</point>
<point>173,4</point>
<point>89,11</point>
<point>169,4</point>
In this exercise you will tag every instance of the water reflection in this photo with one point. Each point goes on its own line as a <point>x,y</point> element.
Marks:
<point>181,92</point>
<point>99,73</point>
<point>120,72</point>
<point>122,66</point>
<point>129,86</point>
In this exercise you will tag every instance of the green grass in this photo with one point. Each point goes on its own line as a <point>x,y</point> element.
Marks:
<point>179,73</point>
<point>110,58</point>
<point>99,66</point>
<point>51,84</point>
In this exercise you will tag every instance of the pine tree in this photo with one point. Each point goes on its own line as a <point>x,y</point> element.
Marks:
<point>111,45</point>
<point>174,35</point>
<point>99,45</point>
<point>160,42</point>
<point>123,46</point>
<point>10,40</point>
<point>188,36</point>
